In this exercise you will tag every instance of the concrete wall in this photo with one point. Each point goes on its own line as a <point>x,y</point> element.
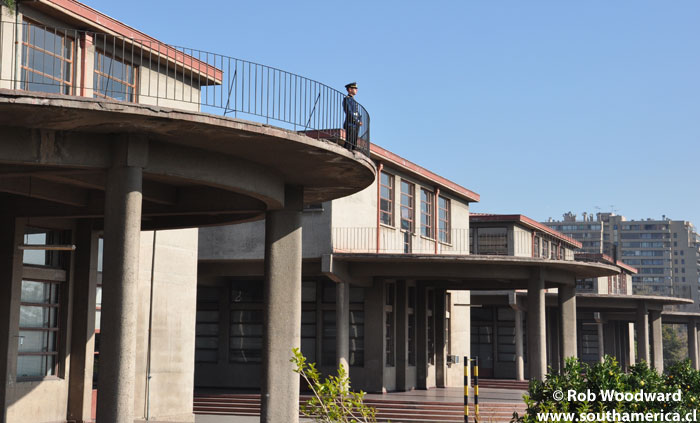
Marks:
<point>246,241</point>
<point>522,242</point>
<point>173,325</point>
<point>460,336</point>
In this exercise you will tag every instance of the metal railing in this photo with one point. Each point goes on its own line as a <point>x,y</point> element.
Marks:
<point>83,63</point>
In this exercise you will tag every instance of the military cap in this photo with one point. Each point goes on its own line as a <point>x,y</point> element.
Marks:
<point>351,85</point>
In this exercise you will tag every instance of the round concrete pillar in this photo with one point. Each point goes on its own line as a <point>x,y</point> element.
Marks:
<point>282,329</point>
<point>122,235</point>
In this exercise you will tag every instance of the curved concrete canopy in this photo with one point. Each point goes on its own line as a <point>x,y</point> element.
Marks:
<point>198,169</point>
<point>326,170</point>
<point>621,302</point>
<point>472,271</point>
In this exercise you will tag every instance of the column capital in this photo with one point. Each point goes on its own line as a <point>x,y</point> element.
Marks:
<point>129,150</point>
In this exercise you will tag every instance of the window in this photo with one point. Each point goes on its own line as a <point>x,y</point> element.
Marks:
<point>390,324</point>
<point>444,220</point>
<point>326,307</point>
<point>245,342</point>
<point>47,60</point>
<point>426,213</point>
<point>545,248</point>
<point>386,200</point>
<point>407,201</point>
<point>536,247</point>
<point>431,326</point>
<point>207,325</point>
<point>411,326</point>
<point>38,329</point>
<point>40,314</point>
<point>113,78</point>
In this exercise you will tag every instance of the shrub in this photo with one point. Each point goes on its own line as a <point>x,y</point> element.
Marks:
<point>332,400</point>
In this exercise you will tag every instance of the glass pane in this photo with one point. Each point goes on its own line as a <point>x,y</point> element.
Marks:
<point>247,292</point>
<point>207,316</point>
<point>308,317</point>
<point>308,292</point>
<point>207,329</point>
<point>241,329</point>
<point>98,295</point>
<point>36,292</point>
<point>206,356</point>
<point>357,295</point>
<point>34,366</point>
<point>308,348</point>
<point>328,292</point>
<point>37,317</point>
<point>40,83</point>
<point>207,342</point>
<point>238,342</point>
<point>245,356</point>
<point>98,319</point>
<point>37,341</point>
<point>246,316</point>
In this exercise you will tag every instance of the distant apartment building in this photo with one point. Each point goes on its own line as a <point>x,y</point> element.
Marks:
<point>666,252</point>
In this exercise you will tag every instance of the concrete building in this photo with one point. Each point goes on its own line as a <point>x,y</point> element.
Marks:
<point>608,316</point>
<point>104,135</point>
<point>666,252</point>
<point>387,276</point>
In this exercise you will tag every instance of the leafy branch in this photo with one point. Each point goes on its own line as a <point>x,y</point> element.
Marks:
<point>332,400</point>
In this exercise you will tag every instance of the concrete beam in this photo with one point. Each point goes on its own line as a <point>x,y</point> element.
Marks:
<point>46,190</point>
<point>282,328</point>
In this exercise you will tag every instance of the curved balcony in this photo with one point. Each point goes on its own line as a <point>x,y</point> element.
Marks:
<point>145,71</point>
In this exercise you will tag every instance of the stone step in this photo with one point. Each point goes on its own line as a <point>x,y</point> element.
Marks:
<point>386,410</point>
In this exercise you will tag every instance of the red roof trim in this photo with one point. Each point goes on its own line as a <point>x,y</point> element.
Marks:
<point>103,21</point>
<point>422,172</point>
<point>486,217</point>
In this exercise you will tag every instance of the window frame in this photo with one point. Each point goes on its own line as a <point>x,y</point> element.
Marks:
<point>444,225</point>
<point>67,87</point>
<point>386,217</point>
<point>410,197</point>
<point>427,212</point>
<point>97,74</point>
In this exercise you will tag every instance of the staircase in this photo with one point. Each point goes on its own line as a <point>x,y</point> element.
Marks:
<point>504,384</point>
<point>396,411</point>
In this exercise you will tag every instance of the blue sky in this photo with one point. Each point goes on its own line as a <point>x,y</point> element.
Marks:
<point>540,106</point>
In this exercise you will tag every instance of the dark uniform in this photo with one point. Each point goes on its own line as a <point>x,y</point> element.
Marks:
<point>353,119</point>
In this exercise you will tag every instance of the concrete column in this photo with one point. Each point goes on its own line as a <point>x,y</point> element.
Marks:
<point>122,237</point>
<point>421,336</point>
<point>567,323</point>
<point>440,338</point>
<point>11,231</point>
<point>629,347</point>
<point>601,342</point>
<point>282,326</point>
<point>536,325</point>
<point>401,335</point>
<point>656,340</point>
<point>375,353</point>
<point>642,328</point>
<point>342,325</point>
<point>83,331</point>
<point>519,353</point>
<point>693,343</point>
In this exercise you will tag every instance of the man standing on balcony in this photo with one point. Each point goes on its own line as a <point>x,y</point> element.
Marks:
<point>353,118</point>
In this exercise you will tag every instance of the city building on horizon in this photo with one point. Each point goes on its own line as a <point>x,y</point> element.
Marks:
<point>666,252</point>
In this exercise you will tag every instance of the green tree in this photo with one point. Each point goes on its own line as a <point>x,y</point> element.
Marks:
<point>675,341</point>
